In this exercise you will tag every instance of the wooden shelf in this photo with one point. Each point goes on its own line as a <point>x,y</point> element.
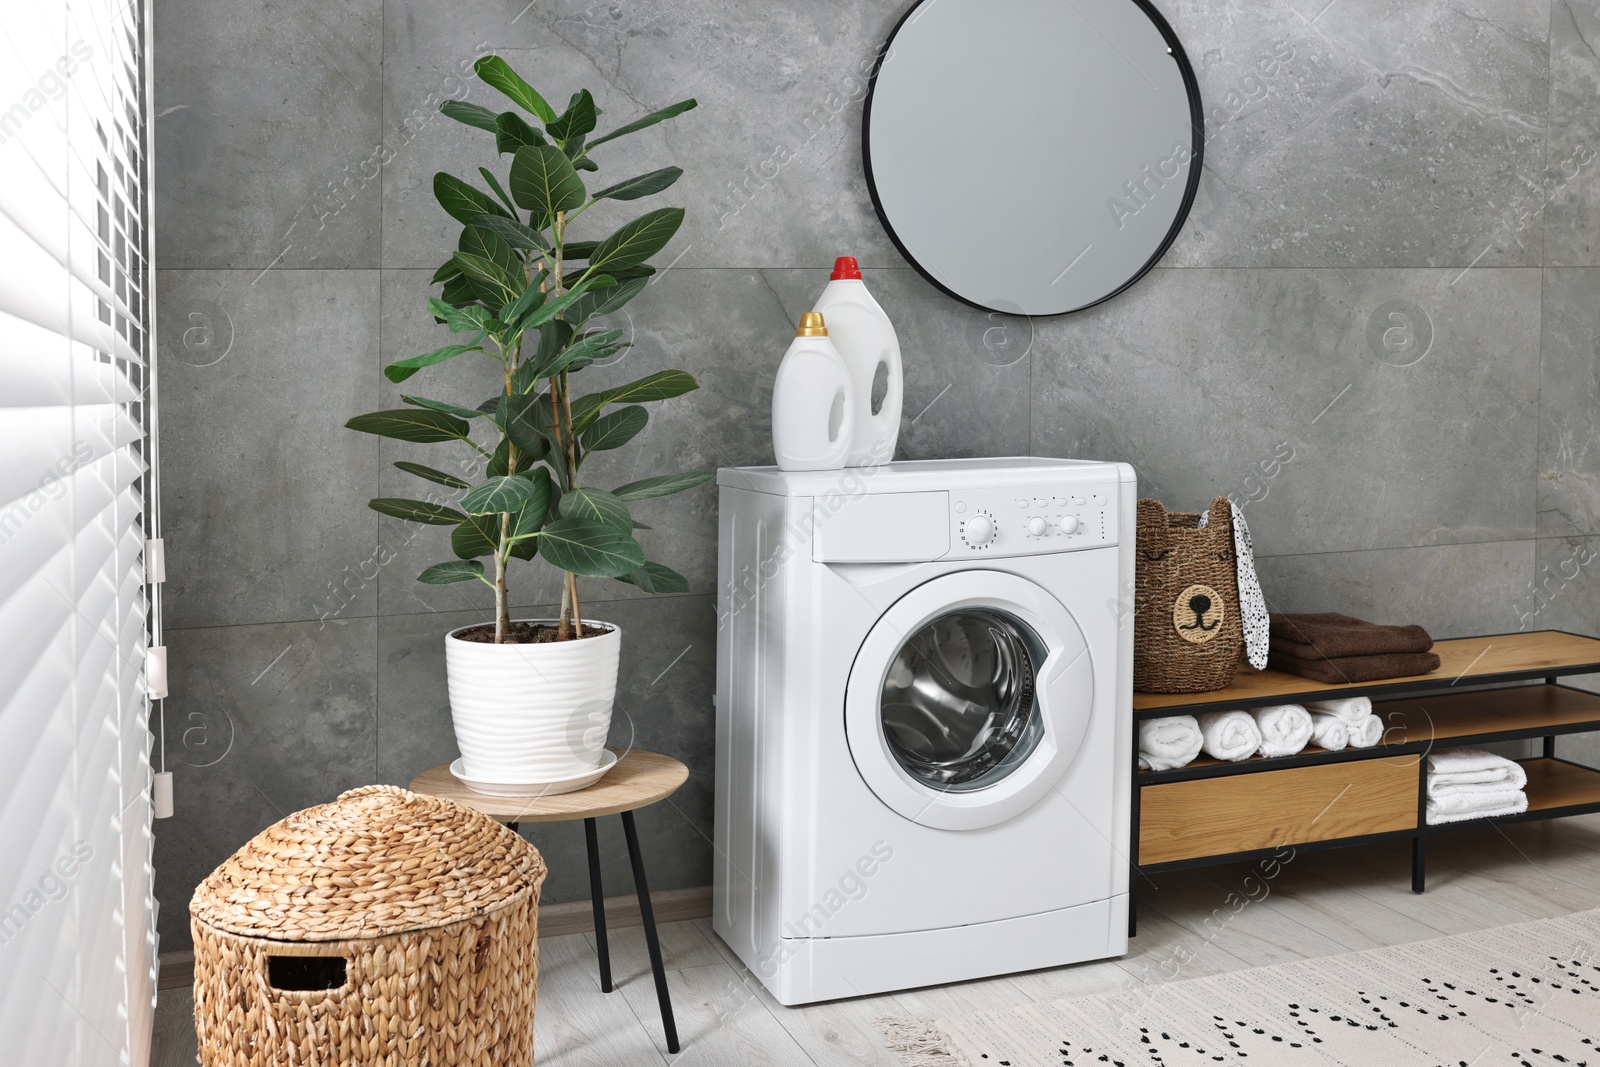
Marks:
<point>1533,708</point>
<point>1553,784</point>
<point>1466,660</point>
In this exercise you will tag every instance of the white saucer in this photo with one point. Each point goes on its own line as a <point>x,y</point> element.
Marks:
<point>570,784</point>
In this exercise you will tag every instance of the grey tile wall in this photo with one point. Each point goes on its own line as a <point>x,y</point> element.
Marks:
<point>1377,329</point>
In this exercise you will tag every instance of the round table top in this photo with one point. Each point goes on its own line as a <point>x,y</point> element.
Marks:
<point>639,779</point>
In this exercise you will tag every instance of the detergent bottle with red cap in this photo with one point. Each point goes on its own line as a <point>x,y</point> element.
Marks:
<point>813,402</point>
<point>865,337</point>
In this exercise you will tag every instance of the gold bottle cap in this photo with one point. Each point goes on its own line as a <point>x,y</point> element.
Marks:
<point>811,325</point>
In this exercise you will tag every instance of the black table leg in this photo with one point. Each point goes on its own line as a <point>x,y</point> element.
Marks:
<point>602,948</point>
<point>1419,863</point>
<point>647,913</point>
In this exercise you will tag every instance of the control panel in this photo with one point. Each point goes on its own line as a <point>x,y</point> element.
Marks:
<point>1028,521</point>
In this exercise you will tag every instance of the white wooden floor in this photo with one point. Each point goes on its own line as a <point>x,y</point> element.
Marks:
<point>1321,903</point>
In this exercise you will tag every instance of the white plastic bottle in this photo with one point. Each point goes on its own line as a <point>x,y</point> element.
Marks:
<point>865,337</point>
<point>813,401</point>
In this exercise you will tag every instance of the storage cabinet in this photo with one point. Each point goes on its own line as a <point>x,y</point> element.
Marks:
<point>1216,812</point>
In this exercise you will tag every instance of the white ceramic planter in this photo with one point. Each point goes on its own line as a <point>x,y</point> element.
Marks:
<point>532,714</point>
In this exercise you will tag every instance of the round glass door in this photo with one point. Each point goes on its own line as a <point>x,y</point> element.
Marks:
<point>958,706</point>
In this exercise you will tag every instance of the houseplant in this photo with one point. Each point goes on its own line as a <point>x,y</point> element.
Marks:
<point>530,700</point>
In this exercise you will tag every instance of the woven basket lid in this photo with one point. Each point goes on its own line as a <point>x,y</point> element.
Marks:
<point>378,860</point>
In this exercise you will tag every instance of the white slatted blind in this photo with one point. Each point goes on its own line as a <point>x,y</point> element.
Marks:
<point>77,930</point>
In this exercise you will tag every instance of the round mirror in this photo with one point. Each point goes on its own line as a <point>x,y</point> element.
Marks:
<point>1033,156</point>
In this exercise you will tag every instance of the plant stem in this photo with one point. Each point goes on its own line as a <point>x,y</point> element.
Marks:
<point>502,602</point>
<point>577,616</point>
<point>571,624</point>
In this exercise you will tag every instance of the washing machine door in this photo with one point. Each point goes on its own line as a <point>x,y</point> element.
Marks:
<point>969,699</point>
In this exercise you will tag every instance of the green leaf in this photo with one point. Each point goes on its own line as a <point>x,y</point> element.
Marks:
<point>490,274</point>
<point>500,462</point>
<point>585,164</point>
<point>532,297</point>
<point>596,506</point>
<point>494,186</point>
<point>469,319</point>
<point>400,370</point>
<point>449,270</point>
<point>643,185</point>
<point>662,485</point>
<point>524,416</point>
<point>460,291</point>
<point>512,233</point>
<point>551,308</point>
<point>471,114</point>
<point>535,511</point>
<point>543,182</point>
<point>606,301</point>
<point>614,430</point>
<point>572,148</point>
<point>649,120</point>
<point>578,249</point>
<point>595,346</point>
<point>416,511</point>
<point>478,536</point>
<point>579,118</point>
<point>663,385</point>
<point>433,475</point>
<point>496,72</point>
<point>511,132</point>
<point>486,244</point>
<point>656,578</point>
<point>498,496</point>
<point>444,406</point>
<point>410,424</point>
<point>637,241</point>
<point>456,570</point>
<point>590,549</point>
<point>462,201</point>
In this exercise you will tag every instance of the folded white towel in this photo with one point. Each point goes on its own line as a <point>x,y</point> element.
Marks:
<point>1166,744</point>
<point>1230,735</point>
<point>1285,729</point>
<point>1459,807</point>
<point>1329,731</point>
<point>1351,709</point>
<point>1366,733</point>
<point>1461,769</point>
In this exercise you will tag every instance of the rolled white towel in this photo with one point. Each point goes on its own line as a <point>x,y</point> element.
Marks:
<point>1166,744</point>
<point>1285,729</point>
<point>1468,771</point>
<point>1329,731</point>
<point>1351,709</point>
<point>1229,735</point>
<point>1459,807</point>
<point>1366,733</point>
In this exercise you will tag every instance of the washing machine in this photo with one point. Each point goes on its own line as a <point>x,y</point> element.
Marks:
<point>924,721</point>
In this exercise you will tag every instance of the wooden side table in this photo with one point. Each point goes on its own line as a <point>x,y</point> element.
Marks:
<point>638,780</point>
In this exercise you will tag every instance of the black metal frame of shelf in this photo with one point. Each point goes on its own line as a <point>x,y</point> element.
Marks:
<point>1390,691</point>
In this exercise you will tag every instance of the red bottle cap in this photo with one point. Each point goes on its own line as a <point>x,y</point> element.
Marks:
<point>846,267</point>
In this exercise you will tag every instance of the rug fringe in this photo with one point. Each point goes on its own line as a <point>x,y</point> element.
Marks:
<point>918,1042</point>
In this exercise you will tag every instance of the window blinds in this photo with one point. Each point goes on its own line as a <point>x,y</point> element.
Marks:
<point>77,933</point>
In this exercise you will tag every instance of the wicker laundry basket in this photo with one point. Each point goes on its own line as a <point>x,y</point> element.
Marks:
<point>1187,633</point>
<point>386,928</point>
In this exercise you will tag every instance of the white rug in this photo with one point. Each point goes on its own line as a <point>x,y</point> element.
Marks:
<point>1518,996</point>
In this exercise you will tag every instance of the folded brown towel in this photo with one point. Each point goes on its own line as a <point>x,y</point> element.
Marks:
<point>1330,635</point>
<point>1338,670</point>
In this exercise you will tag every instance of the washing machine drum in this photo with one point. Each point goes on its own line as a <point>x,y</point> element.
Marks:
<point>969,699</point>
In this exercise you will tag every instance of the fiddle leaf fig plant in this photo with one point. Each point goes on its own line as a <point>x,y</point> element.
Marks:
<point>519,290</point>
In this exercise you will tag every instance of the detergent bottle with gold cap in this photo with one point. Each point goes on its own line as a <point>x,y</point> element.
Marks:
<point>813,402</point>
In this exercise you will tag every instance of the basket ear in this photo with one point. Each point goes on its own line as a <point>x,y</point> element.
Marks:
<point>1220,516</point>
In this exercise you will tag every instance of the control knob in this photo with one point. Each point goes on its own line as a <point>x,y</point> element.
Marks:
<point>1037,527</point>
<point>1070,524</point>
<point>979,530</point>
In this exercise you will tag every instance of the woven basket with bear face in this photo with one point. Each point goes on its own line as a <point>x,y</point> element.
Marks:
<point>1187,637</point>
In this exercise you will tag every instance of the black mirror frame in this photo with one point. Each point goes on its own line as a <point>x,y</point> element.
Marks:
<point>1196,159</point>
